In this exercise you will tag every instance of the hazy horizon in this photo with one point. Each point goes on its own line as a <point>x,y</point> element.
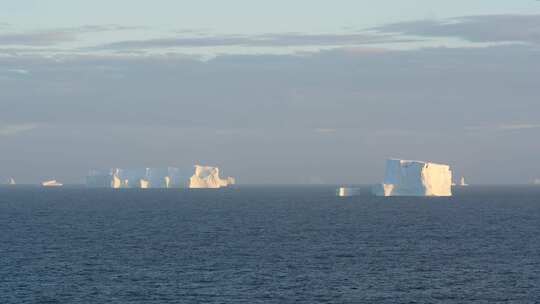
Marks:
<point>280,93</point>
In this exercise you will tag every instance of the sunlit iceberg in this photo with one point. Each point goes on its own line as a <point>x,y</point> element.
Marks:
<point>133,177</point>
<point>415,178</point>
<point>208,177</point>
<point>51,183</point>
<point>142,178</point>
<point>347,191</point>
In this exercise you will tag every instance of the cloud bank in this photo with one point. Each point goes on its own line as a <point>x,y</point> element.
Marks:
<point>267,40</point>
<point>292,116</point>
<point>55,36</point>
<point>10,130</point>
<point>486,28</point>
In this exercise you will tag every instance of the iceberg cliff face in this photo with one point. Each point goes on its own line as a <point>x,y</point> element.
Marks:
<point>208,177</point>
<point>415,178</point>
<point>145,178</point>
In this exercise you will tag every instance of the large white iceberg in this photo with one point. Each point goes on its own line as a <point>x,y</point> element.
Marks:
<point>415,178</point>
<point>208,177</point>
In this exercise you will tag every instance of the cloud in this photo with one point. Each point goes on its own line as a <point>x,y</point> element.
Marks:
<point>476,29</point>
<point>36,38</point>
<point>483,28</point>
<point>103,28</point>
<point>266,40</point>
<point>505,127</point>
<point>14,129</point>
<point>519,126</point>
<point>325,130</point>
<point>337,89</point>
<point>19,71</point>
<point>56,36</point>
<point>263,111</point>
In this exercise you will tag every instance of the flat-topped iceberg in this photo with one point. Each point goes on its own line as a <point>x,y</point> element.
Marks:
<point>415,178</point>
<point>208,177</point>
<point>51,183</point>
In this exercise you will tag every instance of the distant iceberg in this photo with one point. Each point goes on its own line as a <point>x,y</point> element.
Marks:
<point>208,178</point>
<point>114,182</point>
<point>415,178</point>
<point>347,192</point>
<point>142,178</point>
<point>143,184</point>
<point>51,183</point>
<point>133,177</point>
<point>536,181</point>
<point>145,178</point>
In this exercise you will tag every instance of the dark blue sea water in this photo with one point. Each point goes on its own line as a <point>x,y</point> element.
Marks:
<point>268,245</point>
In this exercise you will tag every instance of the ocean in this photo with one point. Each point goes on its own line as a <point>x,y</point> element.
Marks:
<point>268,245</point>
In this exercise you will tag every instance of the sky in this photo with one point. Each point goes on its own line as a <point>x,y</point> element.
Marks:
<point>275,92</point>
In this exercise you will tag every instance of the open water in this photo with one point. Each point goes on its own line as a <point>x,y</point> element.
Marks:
<point>268,245</point>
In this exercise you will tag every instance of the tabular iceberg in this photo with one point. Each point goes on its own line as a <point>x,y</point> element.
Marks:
<point>51,183</point>
<point>208,177</point>
<point>415,178</point>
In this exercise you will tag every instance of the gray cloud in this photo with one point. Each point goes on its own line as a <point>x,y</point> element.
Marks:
<point>486,28</point>
<point>19,71</point>
<point>506,127</point>
<point>342,88</point>
<point>55,36</point>
<point>102,28</point>
<point>267,40</point>
<point>36,39</point>
<point>522,126</point>
<point>11,130</point>
<point>288,116</point>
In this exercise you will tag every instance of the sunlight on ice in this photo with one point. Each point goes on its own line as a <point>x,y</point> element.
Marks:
<point>208,177</point>
<point>415,178</point>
